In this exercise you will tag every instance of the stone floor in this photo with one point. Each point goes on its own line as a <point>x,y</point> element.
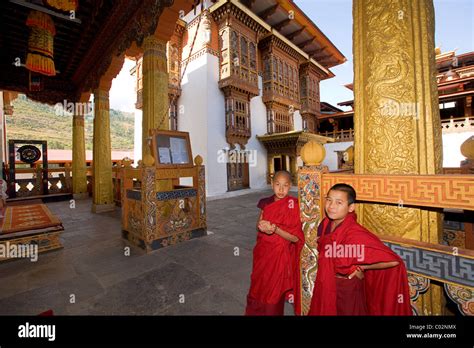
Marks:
<point>92,275</point>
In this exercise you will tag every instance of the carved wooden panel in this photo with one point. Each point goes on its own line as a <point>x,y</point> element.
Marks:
<point>439,191</point>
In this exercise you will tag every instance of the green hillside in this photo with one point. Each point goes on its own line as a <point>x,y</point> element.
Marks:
<point>36,121</point>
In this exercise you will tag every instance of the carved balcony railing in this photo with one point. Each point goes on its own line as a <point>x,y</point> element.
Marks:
<point>340,135</point>
<point>234,131</point>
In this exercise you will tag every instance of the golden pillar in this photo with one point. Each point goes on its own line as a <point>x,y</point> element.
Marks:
<point>79,170</point>
<point>397,123</point>
<point>102,197</point>
<point>155,89</point>
<point>155,98</point>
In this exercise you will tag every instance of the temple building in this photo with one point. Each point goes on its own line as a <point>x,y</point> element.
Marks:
<point>455,79</point>
<point>244,81</point>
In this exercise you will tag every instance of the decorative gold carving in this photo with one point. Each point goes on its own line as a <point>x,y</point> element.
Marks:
<point>149,216</point>
<point>155,89</point>
<point>309,198</point>
<point>79,170</point>
<point>397,124</point>
<point>418,285</point>
<point>463,297</point>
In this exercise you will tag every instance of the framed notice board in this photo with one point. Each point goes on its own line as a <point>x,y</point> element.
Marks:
<point>171,149</point>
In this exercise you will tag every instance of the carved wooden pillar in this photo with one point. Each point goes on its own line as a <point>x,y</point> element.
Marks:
<point>102,197</point>
<point>79,170</point>
<point>155,89</point>
<point>397,124</point>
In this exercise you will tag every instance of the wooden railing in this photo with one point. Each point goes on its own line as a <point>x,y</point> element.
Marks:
<point>458,125</point>
<point>29,181</point>
<point>453,125</point>
<point>340,135</point>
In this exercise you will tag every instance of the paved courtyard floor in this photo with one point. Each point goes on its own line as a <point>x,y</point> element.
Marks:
<point>92,275</point>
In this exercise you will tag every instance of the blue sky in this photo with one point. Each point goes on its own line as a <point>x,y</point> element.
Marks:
<point>454,29</point>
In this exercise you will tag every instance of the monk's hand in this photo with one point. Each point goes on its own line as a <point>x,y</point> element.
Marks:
<point>265,226</point>
<point>357,273</point>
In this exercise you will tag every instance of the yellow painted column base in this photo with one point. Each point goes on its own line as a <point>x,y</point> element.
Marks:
<point>103,208</point>
<point>82,195</point>
<point>432,302</point>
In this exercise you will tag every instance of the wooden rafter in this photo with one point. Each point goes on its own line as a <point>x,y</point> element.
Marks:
<point>294,34</point>
<point>305,43</point>
<point>247,3</point>
<point>282,24</point>
<point>319,56</point>
<point>268,12</point>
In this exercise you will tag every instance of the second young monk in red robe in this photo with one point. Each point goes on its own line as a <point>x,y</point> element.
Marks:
<point>275,273</point>
<point>357,273</point>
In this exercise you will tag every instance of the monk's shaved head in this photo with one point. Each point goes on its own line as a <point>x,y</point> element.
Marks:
<point>283,173</point>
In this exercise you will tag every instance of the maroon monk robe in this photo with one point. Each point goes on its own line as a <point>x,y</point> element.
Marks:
<point>386,291</point>
<point>276,261</point>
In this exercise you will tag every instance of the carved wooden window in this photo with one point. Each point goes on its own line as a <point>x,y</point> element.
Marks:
<point>241,115</point>
<point>237,115</point>
<point>267,71</point>
<point>283,122</point>
<point>280,71</point>
<point>303,83</point>
<point>270,121</point>
<point>275,69</point>
<point>280,77</point>
<point>244,51</point>
<point>235,60</point>
<point>267,74</point>
<point>229,107</point>
<point>275,74</point>
<point>253,56</point>
<point>225,56</point>
<point>296,84</point>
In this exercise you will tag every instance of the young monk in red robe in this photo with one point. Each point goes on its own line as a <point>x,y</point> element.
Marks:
<point>275,274</point>
<point>357,273</point>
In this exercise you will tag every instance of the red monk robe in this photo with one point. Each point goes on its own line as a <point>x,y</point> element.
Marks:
<point>276,261</point>
<point>386,291</point>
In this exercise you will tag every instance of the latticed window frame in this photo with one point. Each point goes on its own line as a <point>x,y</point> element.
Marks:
<point>246,66</point>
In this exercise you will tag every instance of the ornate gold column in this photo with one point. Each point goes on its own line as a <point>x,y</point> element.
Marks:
<point>79,170</point>
<point>397,124</point>
<point>155,98</point>
<point>155,89</point>
<point>102,162</point>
